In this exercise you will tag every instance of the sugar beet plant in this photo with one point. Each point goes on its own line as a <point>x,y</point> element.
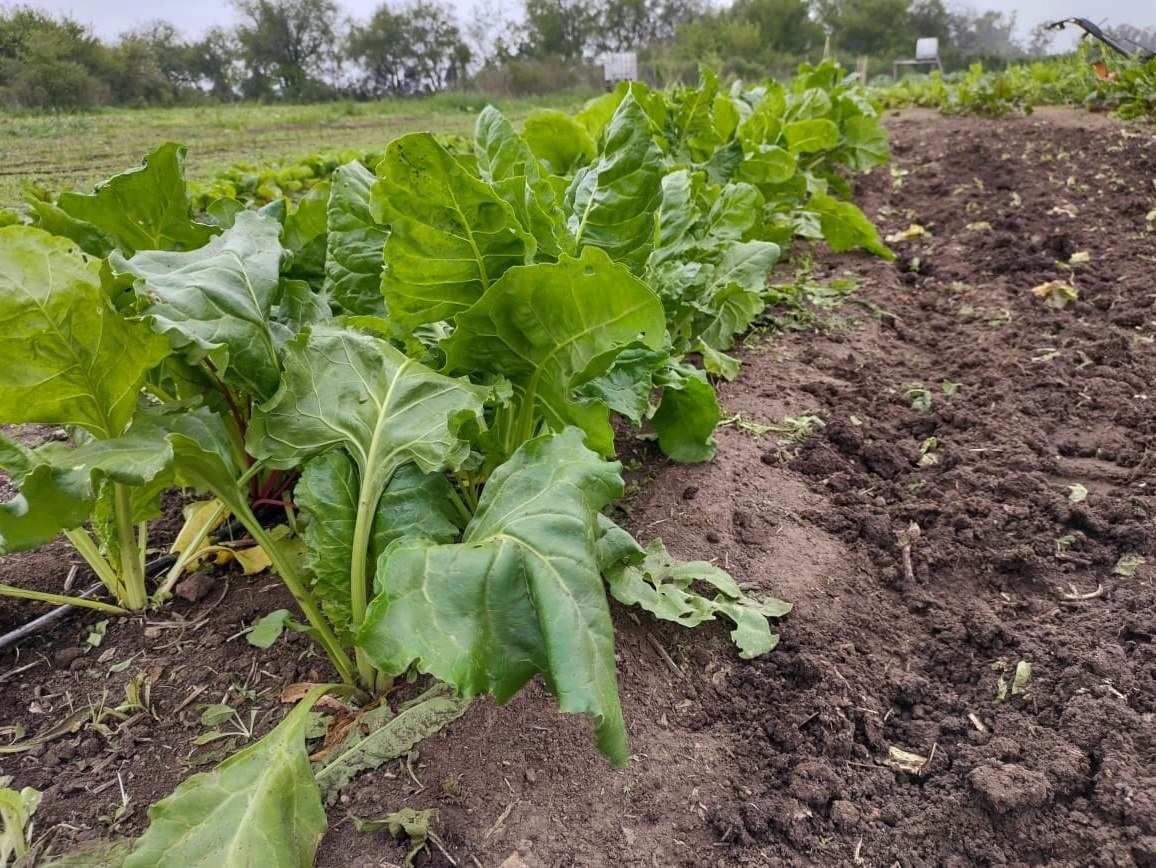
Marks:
<point>419,363</point>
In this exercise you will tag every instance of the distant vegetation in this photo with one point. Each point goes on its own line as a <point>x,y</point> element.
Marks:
<point>309,50</point>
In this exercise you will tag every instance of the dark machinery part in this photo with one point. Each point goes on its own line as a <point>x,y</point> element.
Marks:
<point>1095,32</point>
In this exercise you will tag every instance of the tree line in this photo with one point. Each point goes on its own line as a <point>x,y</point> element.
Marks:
<point>307,50</point>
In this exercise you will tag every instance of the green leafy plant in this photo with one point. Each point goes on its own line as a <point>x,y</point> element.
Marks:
<point>412,373</point>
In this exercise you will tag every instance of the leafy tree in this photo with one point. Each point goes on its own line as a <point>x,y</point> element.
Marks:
<point>559,28</point>
<point>50,62</point>
<point>784,25</point>
<point>418,49</point>
<point>214,62</point>
<point>874,27</point>
<point>289,47</point>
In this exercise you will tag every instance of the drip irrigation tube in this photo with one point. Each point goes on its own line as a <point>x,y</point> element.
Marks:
<point>152,569</point>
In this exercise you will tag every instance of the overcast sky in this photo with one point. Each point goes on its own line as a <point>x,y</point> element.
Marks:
<point>111,17</point>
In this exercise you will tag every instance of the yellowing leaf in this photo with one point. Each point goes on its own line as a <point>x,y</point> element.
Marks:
<point>906,761</point>
<point>979,226</point>
<point>1080,257</point>
<point>912,231</point>
<point>1127,566</point>
<point>201,519</point>
<point>1055,293</point>
<point>252,561</point>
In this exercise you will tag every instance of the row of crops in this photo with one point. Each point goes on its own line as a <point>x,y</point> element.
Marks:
<point>1126,87</point>
<point>400,382</point>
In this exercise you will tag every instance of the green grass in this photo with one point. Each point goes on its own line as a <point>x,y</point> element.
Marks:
<point>75,151</point>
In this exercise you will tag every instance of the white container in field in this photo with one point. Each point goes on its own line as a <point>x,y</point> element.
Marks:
<point>927,49</point>
<point>619,66</point>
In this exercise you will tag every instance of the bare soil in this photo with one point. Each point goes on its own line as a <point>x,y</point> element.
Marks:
<point>788,759</point>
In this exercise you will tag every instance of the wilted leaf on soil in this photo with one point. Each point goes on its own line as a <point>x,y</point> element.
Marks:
<point>1077,493</point>
<point>414,824</point>
<point>912,231</point>
<point>1056,293</point>
<point>1128,565</point>
<point>16,809</point>
<point>1021,678</point>
<point>906,761</point>
<point>368,748</point>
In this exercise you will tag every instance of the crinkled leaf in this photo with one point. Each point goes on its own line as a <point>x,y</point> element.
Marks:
<point>612,202</point>
<point>452,234</point>
<point>66,355</point>
<point>268,629</point>
<point>807,137</point>
<point>304,235</point>
<point>732,309</point>
<point>558,140</point>
<point>865,143</point>
<point>549,328</point>
<point>380,736</point>
<point>717,362</point>
<point>146,208</point>
<point>261,806</point>
<point>353,259</point>
<point>627,386</point>
<point>770,164</point>
<point>344,388</point>
<point>52,219</point>
<point>520,595</point>
<point>665,587</point>
<point>506,161</point>
<point>298,306</point>
<point>687,415</point>
<point>217,301</point>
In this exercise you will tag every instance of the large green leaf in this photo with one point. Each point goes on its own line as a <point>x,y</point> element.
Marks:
<point>806,137</point>
<point>216,302</point>
<point>66,355</point>
<point>865,143</point>
<point>414,504</point>
<point>520,595</point>
<point>345,388</point>
<point>261,806</point>
<point>145,208</point>
<point>452,234</point>
<point>549,328</point>
<point>612,202</point>
<point>845,227</point>
<point>305,235</point>
<point>687,415</point>
<point>353,258</point>
<point>558,140</point>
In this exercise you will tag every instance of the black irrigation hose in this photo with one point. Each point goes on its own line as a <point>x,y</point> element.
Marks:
<point>152,569</point>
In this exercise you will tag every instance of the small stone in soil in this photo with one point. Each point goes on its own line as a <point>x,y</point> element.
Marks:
<point>713,537</point>
<point>196,587</point>
<point>65,656</point>
<point>690,492</point>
